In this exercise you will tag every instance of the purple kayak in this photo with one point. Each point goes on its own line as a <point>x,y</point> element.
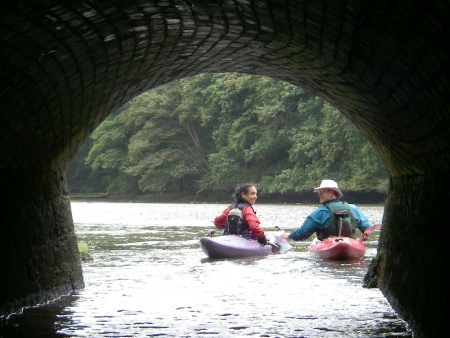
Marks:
<point>231,246</point>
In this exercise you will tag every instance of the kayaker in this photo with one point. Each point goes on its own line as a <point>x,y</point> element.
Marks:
<point>240,218</point>
<point>325,221</point>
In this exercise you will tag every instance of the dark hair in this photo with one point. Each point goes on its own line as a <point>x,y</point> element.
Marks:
<point>242,188</point>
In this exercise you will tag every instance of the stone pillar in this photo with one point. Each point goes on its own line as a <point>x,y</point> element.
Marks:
<point>411,264</point>
<point>38,249</point>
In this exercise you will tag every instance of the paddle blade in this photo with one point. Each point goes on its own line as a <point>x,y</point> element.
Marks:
<point>368,231</point>
<point>277,247</point>
<point>284,248</point>
<point>280,248</point>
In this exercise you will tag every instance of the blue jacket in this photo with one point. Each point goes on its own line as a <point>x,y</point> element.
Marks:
<point>319,219</point>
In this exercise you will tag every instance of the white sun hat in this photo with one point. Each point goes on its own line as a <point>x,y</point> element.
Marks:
<point>329,184</point>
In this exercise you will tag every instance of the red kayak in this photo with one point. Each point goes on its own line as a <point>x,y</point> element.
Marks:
<point>341,248</point>
<point>338,249</point>
<point>231,246</point>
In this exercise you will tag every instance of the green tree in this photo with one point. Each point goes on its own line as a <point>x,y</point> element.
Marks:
<point>214,130</point>
<point>108,155</point>
<point>169,151</point>
<point>81,177</point>
<point>250,135</point>
<point>327,145</point>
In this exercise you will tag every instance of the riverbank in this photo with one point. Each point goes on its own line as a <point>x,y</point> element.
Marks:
<point>307,197</point>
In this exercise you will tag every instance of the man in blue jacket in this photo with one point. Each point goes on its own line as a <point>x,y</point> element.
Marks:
<point>332,218</point>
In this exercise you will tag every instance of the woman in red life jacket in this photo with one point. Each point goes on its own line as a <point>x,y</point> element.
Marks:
<point>240,218</point>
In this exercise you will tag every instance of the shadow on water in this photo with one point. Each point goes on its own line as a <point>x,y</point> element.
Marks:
<point>40,321</point>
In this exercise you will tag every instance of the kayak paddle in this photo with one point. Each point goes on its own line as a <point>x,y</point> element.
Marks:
<point>277,248</point>
<point>368,231</point>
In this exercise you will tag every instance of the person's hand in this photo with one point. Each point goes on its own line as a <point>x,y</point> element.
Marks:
<point>263,240</point>
<point>284,236</point>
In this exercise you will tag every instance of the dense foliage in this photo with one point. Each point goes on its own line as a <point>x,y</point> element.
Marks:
<point>212,131</point>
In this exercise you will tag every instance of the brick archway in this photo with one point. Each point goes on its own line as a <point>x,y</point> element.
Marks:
<point>65,67</point>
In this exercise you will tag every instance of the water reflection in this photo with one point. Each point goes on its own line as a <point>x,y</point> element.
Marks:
<point>41,321</point>
<point>149,277</point>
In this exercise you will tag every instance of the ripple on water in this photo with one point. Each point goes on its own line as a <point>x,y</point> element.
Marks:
<point>149,277</point>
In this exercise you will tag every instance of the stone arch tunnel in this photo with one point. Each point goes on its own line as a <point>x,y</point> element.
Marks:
<point>66,65</point>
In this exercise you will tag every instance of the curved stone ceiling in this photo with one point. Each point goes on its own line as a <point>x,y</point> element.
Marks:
<point>66,67</point>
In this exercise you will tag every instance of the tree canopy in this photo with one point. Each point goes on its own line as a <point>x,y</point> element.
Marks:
<point>212,131</point>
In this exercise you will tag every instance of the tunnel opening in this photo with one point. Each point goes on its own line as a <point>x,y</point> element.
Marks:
<point>192,140</point>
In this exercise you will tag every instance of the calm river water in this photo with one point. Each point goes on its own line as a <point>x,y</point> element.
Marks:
<point>150,278</point>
